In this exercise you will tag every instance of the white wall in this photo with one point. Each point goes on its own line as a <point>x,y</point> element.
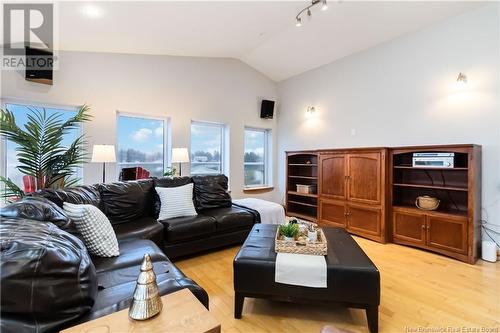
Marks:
<point>402,93</point>
<point>182,88</point>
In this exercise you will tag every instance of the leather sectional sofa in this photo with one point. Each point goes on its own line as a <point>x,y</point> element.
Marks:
<point>50,282</point>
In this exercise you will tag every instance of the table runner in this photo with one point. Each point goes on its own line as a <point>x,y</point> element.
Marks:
<point>301,270</point>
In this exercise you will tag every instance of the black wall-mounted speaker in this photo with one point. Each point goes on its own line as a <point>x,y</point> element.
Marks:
<point>267,109</point>
<point>39,65</point>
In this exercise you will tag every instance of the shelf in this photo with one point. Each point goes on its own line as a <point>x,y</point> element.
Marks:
<point>303,164</point>
<point>427,168</point>
<point>302,203</point>
<point>301,216</point>
<point>310,195</point>
<point>414,209</point>
<point>303,177</point>
<point>435,187</point>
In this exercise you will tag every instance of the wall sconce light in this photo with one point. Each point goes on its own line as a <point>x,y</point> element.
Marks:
<point>310,110</point>
<point>462,78</point>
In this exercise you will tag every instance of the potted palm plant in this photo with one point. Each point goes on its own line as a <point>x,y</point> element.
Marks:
<point>40,150</point>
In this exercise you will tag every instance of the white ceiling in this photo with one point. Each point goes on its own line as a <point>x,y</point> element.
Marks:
<point>260,33</point>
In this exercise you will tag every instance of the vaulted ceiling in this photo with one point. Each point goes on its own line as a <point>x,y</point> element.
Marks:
<point>260,33</point>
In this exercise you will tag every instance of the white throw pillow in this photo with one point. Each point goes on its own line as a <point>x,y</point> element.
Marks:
<point>97,232</point>
<point>176,201</point>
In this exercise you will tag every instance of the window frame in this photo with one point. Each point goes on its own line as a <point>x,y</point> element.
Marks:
<point>30,103</point>
<point>267,182</point>
<point>224,132</point>
<point>167,132</point>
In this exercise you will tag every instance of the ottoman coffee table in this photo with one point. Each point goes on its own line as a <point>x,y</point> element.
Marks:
<point>352,278</point>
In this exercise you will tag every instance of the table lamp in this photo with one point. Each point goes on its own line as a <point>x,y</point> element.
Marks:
<point>103,154</point>
<point>180,155</point>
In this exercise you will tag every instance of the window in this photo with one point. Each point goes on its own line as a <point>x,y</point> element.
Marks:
<point>256,157</point>
<point>21,112</point>
<point>207,148</point>
<point>142,142</point>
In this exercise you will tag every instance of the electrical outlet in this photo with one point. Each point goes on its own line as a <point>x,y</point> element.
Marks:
<point>353,132</point>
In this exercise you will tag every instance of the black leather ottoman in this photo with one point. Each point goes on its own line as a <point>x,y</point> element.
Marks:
<point>352,278</point>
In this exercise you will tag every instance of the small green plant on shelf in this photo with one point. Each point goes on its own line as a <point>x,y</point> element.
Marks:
<point>289,230</point>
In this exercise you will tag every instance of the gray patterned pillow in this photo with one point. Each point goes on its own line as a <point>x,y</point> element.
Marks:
<point>96,230</point>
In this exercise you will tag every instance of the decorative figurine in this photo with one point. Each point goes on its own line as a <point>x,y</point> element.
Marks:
<point>147,301</point>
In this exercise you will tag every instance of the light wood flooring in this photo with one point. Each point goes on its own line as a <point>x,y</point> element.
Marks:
<point>418,290</point>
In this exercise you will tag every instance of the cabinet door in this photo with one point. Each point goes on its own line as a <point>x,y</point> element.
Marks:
<point>332,176</point>
<point>409,227</point>
<point>332,213</point>
<point>447,233</point>
<point>364,178</point>
<point>364,220</point>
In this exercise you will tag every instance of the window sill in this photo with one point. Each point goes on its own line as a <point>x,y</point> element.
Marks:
<point>260,189</point>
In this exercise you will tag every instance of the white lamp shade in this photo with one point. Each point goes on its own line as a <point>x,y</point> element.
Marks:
<point>180,155</point>
<point>103,153</point>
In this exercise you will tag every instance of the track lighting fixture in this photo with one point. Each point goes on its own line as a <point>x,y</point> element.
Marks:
<point>324,6</point>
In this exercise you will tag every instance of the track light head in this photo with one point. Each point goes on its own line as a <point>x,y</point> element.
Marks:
<point>324,5</point>
<point>299,22</point>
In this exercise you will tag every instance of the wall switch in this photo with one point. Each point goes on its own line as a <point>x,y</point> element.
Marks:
<point>353,132</point>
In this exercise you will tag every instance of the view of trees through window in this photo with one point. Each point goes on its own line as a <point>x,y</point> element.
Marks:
<point>206,148</point>
<point>255,157</point>
<point>141,143</point>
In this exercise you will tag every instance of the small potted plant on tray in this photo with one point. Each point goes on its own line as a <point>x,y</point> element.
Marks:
<point>289,231</point>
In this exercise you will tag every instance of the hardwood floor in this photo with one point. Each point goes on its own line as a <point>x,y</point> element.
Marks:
<point>419,290</point>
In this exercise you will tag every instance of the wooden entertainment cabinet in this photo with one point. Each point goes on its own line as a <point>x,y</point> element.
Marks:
<point>371,192</point>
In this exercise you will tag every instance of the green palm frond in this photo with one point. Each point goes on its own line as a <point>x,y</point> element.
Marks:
<point>11,190</point>
<point>40,151</point>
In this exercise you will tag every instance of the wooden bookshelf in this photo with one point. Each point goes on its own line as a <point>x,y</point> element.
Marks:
<point>301,169</point>
<point>453,228</point>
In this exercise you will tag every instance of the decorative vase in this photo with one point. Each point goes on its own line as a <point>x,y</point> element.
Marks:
<point>312,236</point>
<point>288,239</point>
<point>147,301</point>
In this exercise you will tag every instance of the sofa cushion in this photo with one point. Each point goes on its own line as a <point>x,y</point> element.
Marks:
<point>167,182</point>
<point>131,255</point>
<point>86,194</point>
<point>39,209</point>
<point>184,228</point>
<point>144,228</point>
<point>211,192</point>
<point>119,297</point>
<point>43,267</point>
<point>231,218</point>
<point>125,202</point>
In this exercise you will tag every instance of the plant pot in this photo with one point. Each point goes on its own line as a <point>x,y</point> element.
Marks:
<point>288,239</point>
<point>312,236</point>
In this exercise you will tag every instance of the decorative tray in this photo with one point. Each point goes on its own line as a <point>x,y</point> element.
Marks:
<point>302,245</point>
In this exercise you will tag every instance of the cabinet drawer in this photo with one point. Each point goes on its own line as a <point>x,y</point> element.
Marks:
<point>409,227</point>
<point>364,219</point>
<point>332,213</point>
<point>447,233</point>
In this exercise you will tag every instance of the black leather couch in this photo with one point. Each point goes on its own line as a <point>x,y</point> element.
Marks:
<point>49,281</point>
